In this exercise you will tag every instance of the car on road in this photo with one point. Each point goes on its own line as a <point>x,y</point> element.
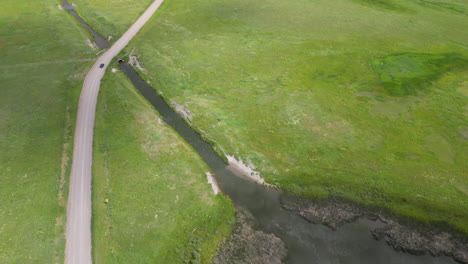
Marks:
<point>101,66</point>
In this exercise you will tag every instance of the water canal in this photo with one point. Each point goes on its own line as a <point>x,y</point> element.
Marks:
<point>101,42</point>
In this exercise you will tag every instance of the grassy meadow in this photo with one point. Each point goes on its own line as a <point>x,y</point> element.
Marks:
<point>43,57</point>
<point>111,18</point>
<point>161,207</point>
<point>365,100</point>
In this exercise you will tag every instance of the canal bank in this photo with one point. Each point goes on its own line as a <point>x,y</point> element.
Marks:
<point>100,41</point>
<point>271,212</point>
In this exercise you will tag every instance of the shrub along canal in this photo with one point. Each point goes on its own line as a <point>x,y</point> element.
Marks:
<point>305,242</point>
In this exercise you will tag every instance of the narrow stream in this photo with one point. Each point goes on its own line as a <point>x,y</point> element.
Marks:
<point>306,242</point>
<point>101,42</point>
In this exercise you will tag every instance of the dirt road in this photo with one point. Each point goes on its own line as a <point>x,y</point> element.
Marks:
<point>78,245</point>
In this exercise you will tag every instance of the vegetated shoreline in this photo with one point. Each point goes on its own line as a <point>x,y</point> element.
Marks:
<point>249,245</point>
<point>402,233</point>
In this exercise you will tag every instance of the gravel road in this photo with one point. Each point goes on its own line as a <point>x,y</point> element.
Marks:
<point>78,234</point>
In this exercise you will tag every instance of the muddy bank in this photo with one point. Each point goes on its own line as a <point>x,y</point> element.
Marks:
<point>249,245</point>
<point>402,234</point>
<point>134,62</point>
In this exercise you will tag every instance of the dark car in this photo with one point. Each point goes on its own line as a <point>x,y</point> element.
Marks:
<point>101,66</point>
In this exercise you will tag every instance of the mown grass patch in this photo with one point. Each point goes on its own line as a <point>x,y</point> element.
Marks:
<point>40,76</point>
<point>161,207</point>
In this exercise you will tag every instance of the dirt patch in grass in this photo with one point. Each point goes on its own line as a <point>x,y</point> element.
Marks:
<point>212,181</point>
<point>243,170</point>
<point>182,111</point>
<point>91,44</point>
<point>134,62</point>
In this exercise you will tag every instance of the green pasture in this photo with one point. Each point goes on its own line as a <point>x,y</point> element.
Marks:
<point>110,18</point>
<point>43,56</point>
<point>364,100</point>
<point>161,208</point>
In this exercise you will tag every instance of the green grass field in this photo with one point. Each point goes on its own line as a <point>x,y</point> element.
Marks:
<point>365,100</point>
<point>111,18</point>
<point>42,60</point>
<point>161,207</point>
